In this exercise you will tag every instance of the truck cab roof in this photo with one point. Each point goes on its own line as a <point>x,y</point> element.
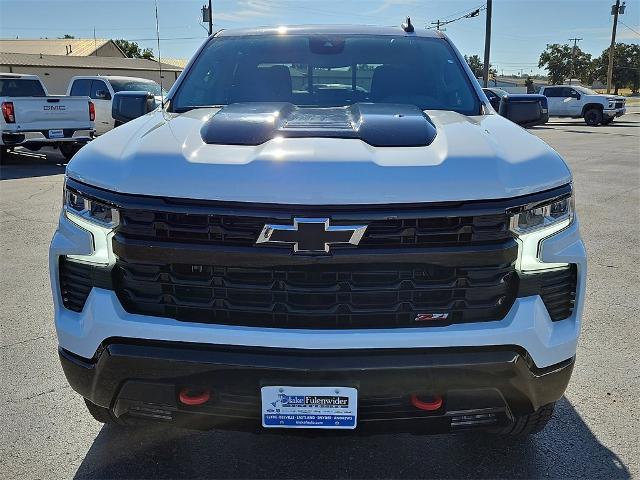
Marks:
<point>328,30</point>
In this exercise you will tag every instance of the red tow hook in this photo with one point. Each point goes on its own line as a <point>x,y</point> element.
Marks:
<point>433,403</point>
<point>192,397</point>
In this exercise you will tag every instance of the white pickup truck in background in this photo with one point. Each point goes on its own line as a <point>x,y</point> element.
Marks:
<point>101,89</point>
<point>580,102</point>
<point>32,119</point>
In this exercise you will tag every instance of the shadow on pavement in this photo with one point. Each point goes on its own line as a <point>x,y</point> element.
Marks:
<point>567,448</point>
<point>23,163</point>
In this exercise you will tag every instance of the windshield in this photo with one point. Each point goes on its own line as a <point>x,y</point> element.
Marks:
<point>135,85</point>
<point>328,71</point>
<point>585,90</point>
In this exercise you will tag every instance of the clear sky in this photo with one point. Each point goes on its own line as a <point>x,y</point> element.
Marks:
<point>521,28</point>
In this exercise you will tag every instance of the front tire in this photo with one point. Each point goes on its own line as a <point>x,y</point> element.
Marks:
<point>593,117</point>
<point>531,423</point>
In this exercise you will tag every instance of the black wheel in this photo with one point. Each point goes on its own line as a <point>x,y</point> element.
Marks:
<point>608,121</point>
<point>531,423</point>
<point>593,117</point>
<point>3,152</point>
<point>101,414</point>
<point>68,150</point>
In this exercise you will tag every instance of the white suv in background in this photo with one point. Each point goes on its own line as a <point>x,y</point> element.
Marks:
<point>101,90</point>
<point>581,102</point>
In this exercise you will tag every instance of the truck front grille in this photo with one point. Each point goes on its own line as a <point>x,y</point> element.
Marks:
<point>238,230</point>
<point>317,296</point>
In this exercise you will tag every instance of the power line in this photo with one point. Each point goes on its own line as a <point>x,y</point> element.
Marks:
<point>634,31</point>
<point>469,14</point>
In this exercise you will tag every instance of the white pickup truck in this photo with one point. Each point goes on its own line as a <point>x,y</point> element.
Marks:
<point>581,102</point>
<point>101,89</point>
<point>332,230</point>
<point>32,119</point>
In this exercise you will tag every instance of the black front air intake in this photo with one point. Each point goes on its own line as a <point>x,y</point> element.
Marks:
<point>75,284</point>
<point>78,278</point>
<point>380,125</point>
<point>557,289</point>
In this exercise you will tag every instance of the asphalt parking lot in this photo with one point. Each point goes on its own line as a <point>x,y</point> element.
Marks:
<point>46,432</point>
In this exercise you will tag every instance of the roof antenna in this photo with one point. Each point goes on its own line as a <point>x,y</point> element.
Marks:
<point>159,59</point>
<point>408,27</point>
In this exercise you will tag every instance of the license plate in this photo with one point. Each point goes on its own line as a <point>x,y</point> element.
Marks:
<point>309,407</point>
<point>56,133</point>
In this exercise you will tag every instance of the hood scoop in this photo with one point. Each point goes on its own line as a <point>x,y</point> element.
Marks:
<point>378,124</point>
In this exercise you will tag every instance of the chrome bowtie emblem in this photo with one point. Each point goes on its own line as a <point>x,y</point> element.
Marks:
<point>311,235</point>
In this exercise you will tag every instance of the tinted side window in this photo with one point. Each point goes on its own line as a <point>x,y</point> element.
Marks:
<point>101,87</point>
<point>552,92</point>
<point>80,88</point>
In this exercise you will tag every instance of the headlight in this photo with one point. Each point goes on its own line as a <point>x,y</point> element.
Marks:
<point>536,223</point>
<point>542,216</point>
<point>96,217</point>
<point>612,104</point>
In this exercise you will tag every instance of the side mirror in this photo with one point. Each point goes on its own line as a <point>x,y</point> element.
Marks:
<point>127,106</point>
<point>577,96</point>
<point>525,110</point>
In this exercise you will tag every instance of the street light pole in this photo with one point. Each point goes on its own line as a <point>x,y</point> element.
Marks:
<point>487,46</point>
<point>612,48</point>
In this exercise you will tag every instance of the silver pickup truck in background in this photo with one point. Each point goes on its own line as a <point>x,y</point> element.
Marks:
<point>32,119</point>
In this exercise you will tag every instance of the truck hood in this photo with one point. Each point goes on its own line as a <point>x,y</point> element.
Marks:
<point>470,158</point>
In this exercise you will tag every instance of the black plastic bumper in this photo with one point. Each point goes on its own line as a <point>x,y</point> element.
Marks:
<point>480,387</point>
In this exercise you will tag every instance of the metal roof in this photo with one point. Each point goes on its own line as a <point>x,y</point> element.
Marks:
<point>329,30</point>
<point>178,62</point>
<point>28,60</point>
<point>80,47</point>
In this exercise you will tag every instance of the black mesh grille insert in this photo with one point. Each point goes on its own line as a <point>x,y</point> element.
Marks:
<point>237,230</point>
<point>75,284</point>
<point>317,296</point>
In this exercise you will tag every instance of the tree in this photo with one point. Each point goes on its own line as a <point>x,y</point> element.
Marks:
<point>562,62</point>
<point>626,67</point>
<point>66,35</point>
<point>132,49</point>
<point>475,64</point>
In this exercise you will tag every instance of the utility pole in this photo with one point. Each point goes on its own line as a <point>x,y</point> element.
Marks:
<point>437,24</point>
<point>487,46</point>
<point>207,16</point>
<point>210,18</point>
<point>573,55</point>
<point>615,10</point>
